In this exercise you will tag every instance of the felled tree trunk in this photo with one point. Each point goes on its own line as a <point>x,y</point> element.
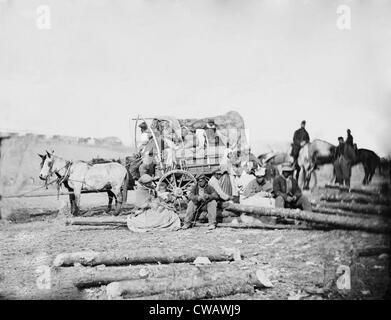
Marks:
<point>204,283</point>
<point>376,224</point>
<point>120,222</point>
<point>351,197</point>
<point>93,277</point>
<point>140,256</point>
<point>264,226</point>
<point>356,207</point>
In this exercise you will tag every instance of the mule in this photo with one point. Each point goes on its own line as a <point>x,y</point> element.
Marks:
<point>311,156</point>
<point>79,175</point>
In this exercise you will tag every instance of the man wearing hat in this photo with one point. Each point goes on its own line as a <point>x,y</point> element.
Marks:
<point>300,138</point>
<point>287,191</point>
<point>344,156</point>
<point>214,182</point>
<point>259,184</point>
<point>210,131</point>
<point>349,138</point>
<point>202,197</point>
<point>144,137</point>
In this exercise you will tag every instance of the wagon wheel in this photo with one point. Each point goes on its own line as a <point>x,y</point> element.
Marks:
<point>178,181</point>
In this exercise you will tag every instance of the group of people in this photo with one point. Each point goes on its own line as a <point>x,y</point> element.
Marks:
<point>241,176</point>
<point>156,210</point>
<point>343,158</point>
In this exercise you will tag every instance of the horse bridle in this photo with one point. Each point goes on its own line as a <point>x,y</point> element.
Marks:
<point>60,179</point>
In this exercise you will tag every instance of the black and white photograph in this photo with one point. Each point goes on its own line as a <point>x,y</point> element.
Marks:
<point>217,151</point>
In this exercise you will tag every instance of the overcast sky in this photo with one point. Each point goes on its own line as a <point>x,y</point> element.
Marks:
<point>277,62</point>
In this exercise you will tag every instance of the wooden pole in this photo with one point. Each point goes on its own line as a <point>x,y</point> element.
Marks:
<point>139,256</point>
<point>38,195</point>
<point>376,224</point>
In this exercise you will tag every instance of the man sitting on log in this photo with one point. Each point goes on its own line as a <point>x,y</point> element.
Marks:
<point>215,183</point>
<point>202,196</point>
<point>258,185</point>
<point>287,191</point>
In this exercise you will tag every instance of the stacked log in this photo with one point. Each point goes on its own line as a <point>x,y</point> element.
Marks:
<point>353,190</point>
<point>321,209</point>
<point>376,224</point>
<point>357,198</point>
<point>357,207</point>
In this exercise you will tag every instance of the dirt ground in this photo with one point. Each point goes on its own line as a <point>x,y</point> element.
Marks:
<point>297,261</point>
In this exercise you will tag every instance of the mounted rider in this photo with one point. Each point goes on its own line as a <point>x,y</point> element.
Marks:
<point>300,138</point>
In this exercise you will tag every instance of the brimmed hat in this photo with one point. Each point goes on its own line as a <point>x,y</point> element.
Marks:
<point>269,157</point>
<point>201,177</point>
<point>287,167</point>
<point>261,172</point>
<point>143,125</point>
<point>217,170</point>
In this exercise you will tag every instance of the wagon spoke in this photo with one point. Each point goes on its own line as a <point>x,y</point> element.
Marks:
<point>181,179</point>
<point>174,180</point>
<point>169,182</point>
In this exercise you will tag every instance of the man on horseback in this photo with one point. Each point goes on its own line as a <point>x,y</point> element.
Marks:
<point>300,138</point>
<point>349,138</point>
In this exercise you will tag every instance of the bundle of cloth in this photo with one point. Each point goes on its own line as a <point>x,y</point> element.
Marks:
<point>152,213</point>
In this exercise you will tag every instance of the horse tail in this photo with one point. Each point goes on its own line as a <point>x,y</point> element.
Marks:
<point>379,164</point>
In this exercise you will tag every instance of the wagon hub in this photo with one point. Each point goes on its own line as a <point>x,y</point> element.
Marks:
<point>178,192</point>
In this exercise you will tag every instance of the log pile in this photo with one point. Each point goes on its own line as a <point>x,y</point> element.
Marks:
<point>177,278</point>
<point>374,209</point>
<point>376,224</point>
<point>353,202</point>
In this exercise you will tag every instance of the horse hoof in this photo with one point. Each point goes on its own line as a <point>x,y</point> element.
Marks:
<point>115,213</point>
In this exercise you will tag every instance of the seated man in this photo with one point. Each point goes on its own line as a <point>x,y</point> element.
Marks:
<point>287,191</point>
<point>215,183</point>
<point>201,196</point>
<point>258,185</point>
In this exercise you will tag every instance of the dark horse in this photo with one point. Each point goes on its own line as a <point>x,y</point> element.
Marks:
<point>370,161</point>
